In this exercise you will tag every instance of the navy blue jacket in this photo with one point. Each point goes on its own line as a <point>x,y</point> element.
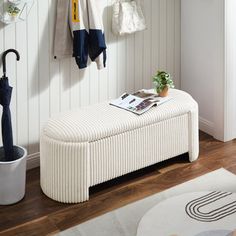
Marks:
<point>85,19</point>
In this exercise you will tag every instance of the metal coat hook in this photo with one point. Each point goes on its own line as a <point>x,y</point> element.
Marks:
<point>4,59</point>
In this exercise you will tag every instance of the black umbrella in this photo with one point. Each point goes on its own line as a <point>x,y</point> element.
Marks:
<point>5,99</point>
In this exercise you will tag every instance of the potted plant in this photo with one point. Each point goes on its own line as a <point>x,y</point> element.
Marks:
<point>162,82</point>
<point>12,11</point>
<point>12,158</point>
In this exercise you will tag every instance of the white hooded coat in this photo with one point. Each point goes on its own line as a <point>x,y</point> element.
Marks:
<point>79,32</point>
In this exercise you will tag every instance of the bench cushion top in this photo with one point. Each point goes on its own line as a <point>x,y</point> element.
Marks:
<point>102,120</point>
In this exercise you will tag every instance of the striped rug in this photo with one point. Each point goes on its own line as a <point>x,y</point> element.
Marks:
<point>204,206</point>
<point>198,213</point>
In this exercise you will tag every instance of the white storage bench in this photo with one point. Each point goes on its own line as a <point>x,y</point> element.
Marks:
<point>79,149</point>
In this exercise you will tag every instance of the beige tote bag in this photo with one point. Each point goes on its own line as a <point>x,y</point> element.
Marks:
<point>127,17</point>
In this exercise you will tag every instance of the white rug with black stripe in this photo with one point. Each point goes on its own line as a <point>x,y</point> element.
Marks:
<point>204,206</point>
<point>198,213</point>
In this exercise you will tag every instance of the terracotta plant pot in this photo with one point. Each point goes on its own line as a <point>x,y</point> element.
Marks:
<point>164,92</point>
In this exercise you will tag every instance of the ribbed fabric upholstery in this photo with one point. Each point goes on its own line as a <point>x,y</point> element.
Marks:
<point>102,120</point>
<point>133,150</point>
<point>82,148</point>
<point>65,172</point>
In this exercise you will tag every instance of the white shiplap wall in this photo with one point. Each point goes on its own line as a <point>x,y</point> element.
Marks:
<point>44,86</point>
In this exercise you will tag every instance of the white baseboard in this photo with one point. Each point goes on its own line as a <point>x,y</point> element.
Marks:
<point>206,126</point>
<point>33,161</point>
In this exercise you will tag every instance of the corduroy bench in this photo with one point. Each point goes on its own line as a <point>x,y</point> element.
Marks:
<point>83,148</point>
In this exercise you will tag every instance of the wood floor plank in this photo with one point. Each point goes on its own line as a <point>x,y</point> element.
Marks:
<point>36,210</point>
<point>37,227</point>
<point>124,195</point>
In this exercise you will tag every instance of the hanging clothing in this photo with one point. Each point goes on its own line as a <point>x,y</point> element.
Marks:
<point>63,39</point>
<point>80,32</point>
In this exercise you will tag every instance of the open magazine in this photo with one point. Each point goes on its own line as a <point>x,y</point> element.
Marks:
<point>139,102</point>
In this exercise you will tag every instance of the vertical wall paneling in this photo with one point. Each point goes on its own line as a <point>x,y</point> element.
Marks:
<point>54,67</point>
<point>130,52</point>
<point>43,60</point>
<point>65,84</point>
<point>163,35</point>
<point>94,83</point>
<point>138,58</point>
<point>44,86</point>
<point>147,46</point>
<point>10,42</point>
<point>170,35</point>
<point>103,74</point>
<point>177,43</point>
<point>155,35</point>
<point>22,84</point>
<point>121,64</point>
<point>85,86</point>
<point>111,56</point>
<point>75,85</point>
<point>33,80</point>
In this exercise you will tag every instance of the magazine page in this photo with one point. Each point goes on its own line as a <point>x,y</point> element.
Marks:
<point>144,94</point>
<point>139,102</point>
<point>127,101</point>
<point>149,102</point>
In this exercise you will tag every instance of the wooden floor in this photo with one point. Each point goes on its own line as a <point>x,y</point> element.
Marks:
<point>38,215</point>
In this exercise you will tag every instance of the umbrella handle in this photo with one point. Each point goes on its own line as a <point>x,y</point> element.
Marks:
<point>4,59</point>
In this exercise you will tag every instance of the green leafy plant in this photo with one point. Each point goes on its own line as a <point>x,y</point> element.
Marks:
<point>13,10</point>
<point>162,80</point>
